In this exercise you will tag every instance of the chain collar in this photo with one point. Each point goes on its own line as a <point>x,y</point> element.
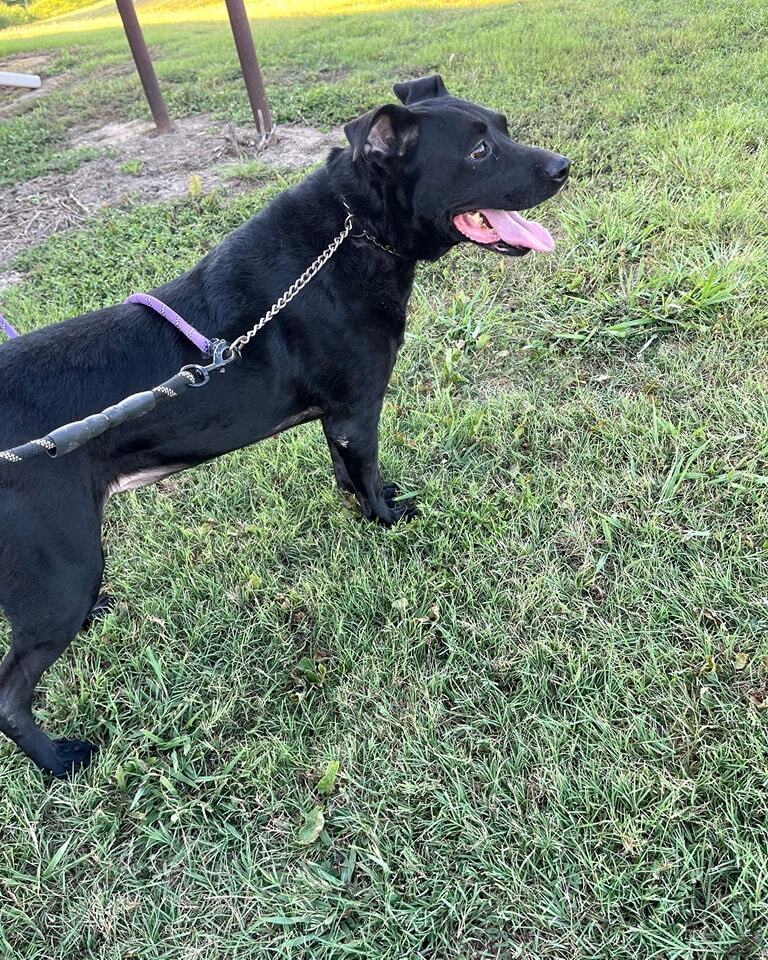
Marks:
<point>296,287</point>
<point>369,237</point>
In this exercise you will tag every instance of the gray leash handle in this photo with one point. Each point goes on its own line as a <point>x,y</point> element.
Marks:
<point>72,436</point>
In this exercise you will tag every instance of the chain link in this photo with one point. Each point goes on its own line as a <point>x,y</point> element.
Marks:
<point>295,288</point>
<point>378,243</point>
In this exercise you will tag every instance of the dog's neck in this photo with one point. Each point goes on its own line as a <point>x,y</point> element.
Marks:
<point>298,225</point>
<point>382,211</point>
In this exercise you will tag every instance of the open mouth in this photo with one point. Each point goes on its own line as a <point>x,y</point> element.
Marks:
<point>505,231</point>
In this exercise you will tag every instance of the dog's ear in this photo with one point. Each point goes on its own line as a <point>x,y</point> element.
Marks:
<point>384,134</point>
<point>425,88</point>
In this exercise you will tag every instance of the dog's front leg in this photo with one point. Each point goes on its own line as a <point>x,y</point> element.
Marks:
<point>340,471</point>
<point>353,440</point>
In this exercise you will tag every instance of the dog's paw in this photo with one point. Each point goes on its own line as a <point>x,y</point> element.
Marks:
<point>104,604</point>
<point>398,510</point>
<point>71,756</point>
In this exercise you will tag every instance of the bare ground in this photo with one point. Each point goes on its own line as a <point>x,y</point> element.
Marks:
<point>9,279</point>
<point>135,165</point>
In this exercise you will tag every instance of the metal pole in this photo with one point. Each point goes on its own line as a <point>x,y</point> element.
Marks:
<point>144,65</point>
<point>254,82</point>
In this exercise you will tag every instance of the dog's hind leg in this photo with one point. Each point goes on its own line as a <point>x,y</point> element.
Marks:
<point>54,576</point>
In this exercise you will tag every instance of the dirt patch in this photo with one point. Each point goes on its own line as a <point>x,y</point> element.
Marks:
<point>299,147</point>
<point>8,280</point>
<point>137,166</point>
<point>498,386</point>
<point>27,62</point>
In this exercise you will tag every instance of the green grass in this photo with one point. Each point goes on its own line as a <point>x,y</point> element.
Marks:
<point>544,695</point>
<point>16,13</point>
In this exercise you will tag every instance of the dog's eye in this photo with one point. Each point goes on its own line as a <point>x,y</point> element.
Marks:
<point>480,151</point>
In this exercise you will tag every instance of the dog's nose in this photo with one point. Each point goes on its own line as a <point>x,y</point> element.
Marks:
<point>557,168</point>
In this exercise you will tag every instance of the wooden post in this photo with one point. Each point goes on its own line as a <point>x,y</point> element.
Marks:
<point>144,65</point>
<point>249,63</point>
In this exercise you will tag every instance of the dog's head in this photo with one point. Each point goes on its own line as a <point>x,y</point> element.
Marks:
<point>453,173</point>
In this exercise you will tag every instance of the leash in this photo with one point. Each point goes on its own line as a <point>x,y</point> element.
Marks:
<point>202,343</point>
<point>7,329</point>
<point>71,436</point>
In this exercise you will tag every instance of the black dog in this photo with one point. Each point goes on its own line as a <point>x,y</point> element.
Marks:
<point>418,179</point>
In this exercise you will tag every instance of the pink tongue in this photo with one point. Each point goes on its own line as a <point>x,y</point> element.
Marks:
<point>519,232</point>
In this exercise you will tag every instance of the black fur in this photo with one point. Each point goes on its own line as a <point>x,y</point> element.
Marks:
<point>327,356</point>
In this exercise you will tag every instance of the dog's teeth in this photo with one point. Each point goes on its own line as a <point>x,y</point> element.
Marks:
<point>476,218</point>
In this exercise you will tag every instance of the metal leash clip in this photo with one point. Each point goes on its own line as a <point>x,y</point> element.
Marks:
<point>223,354</point>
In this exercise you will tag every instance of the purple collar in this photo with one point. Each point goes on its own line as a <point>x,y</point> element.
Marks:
<point>7,329</point>
<point>202,343</point>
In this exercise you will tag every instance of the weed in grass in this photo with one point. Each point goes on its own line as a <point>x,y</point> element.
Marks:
<point>131,166</point>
